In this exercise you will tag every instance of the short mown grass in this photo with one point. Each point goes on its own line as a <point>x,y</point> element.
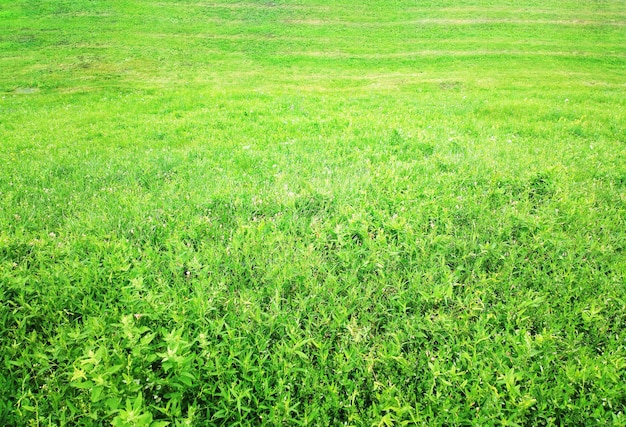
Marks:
<point>299,212</point>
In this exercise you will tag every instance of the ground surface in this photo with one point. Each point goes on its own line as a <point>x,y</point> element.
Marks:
<point>312,212</point>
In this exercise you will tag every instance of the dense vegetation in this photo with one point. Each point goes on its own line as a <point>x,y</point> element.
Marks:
<point>309,212</point>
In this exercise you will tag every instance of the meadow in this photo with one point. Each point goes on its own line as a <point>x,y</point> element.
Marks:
<point>309,212</point>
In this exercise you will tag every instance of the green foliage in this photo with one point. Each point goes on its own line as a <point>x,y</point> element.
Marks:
<point>311,213</point>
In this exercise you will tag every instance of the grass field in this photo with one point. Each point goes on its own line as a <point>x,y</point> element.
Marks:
<point>309,212</point>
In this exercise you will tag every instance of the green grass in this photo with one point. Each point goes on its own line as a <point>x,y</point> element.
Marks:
<point>308,212</point>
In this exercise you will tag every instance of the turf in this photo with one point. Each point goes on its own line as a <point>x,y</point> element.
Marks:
<point>308,212</point>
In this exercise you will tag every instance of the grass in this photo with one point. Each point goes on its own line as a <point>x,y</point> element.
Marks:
<point>301,212</point>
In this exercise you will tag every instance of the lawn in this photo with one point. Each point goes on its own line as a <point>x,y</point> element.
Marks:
<point>310,212</point>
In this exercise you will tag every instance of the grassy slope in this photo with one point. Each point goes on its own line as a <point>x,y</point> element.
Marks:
<point>301,211</point>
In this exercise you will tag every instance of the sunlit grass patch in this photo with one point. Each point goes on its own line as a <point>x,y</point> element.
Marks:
<point>217,213</point>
